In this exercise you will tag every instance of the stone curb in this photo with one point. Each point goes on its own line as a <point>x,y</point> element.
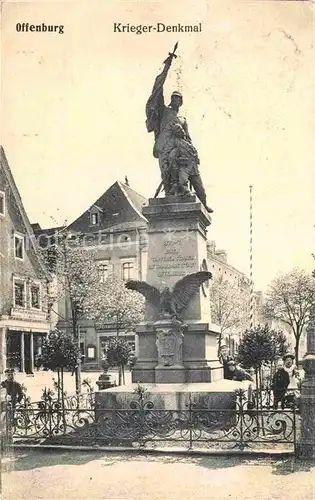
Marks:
<point>160,451</point>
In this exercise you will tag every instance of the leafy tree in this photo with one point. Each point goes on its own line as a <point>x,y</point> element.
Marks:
<point>289,299</point>
<point>229,305</point>
<point>117,352</point>
<point>259,347</point>
<point>279,344</point>
<point>60,352</point>
<point>118,305</point>
<point>77,280</point>
<point>255,347</point>
<point>122,307</point>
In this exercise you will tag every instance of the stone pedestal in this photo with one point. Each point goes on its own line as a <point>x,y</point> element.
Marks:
<point>104,381</point>
<point>199,356</point>
<point>177,246</point>
<point>306,446</point>
<point>169,343</point>
<point>217,395</point>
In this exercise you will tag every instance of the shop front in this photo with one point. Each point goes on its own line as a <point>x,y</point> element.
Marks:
<point>22,339</point>
<point>23,350</point>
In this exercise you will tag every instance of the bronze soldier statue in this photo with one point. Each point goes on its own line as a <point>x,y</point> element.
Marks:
<point>178,158</point>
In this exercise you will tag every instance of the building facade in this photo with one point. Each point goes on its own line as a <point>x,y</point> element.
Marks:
<point>116,229</point>
<point>24,319</point>
<point>220,267</point>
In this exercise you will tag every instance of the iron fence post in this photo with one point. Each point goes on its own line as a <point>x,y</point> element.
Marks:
<point>294,429</point>
<point>190,421</point>
<point>239,404</point>
<point>142,418</point>
<point>50,416</point>
<point>8,424</point>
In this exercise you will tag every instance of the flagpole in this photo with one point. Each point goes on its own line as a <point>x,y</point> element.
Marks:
<point>251,305</point>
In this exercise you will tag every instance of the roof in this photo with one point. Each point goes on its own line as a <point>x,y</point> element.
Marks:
<point>137,199</point>
<point>126,226</point>
<point>118,205</point>
<point>18,215</point>
<point>50,230</point>
<point>47,236</point>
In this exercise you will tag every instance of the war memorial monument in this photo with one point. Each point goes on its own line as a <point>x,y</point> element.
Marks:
<point>177,343</point>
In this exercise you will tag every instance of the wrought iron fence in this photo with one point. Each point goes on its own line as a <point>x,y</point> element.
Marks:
<point>79,421</point>
<point>265,399</point>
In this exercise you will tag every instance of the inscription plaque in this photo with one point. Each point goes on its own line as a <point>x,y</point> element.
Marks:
<point>173,262</point>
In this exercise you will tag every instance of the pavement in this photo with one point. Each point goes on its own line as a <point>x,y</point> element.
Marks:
<point>66,475</point>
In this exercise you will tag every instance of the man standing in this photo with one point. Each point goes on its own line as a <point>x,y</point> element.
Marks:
<point>280,382</point>
<point>13,388</point>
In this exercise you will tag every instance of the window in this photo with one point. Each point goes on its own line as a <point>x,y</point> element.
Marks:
<point>18,247</point>
<point>127,271</point>
<point>19,293</point>
<point>35,296</point>
<point>82,350</point>
<point>102,272</point>
<point>91,352</point>
<point>2,202</point>
<point>94,219</point>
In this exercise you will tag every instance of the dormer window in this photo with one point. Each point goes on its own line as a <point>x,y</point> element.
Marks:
<point>94,219</point>
<point>95,214</point>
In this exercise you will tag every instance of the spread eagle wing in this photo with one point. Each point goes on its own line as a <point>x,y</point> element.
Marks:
<point>151,293</point>
<point>186,287</point>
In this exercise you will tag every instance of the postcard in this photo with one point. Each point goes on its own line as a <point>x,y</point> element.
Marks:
<point>157,216</point>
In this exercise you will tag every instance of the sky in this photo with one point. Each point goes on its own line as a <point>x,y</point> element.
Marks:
<point>73,113</point>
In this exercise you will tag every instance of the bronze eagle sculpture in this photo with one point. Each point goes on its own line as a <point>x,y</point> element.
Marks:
<point>170,302</point>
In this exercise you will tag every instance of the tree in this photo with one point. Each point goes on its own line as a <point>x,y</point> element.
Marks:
<point>289,299</point>
<point>60,352</point>
<point>228,303</point>
<point>77,280</point>
<point>118,305</point>
<point>117,352</point>
<point>261,346</point>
